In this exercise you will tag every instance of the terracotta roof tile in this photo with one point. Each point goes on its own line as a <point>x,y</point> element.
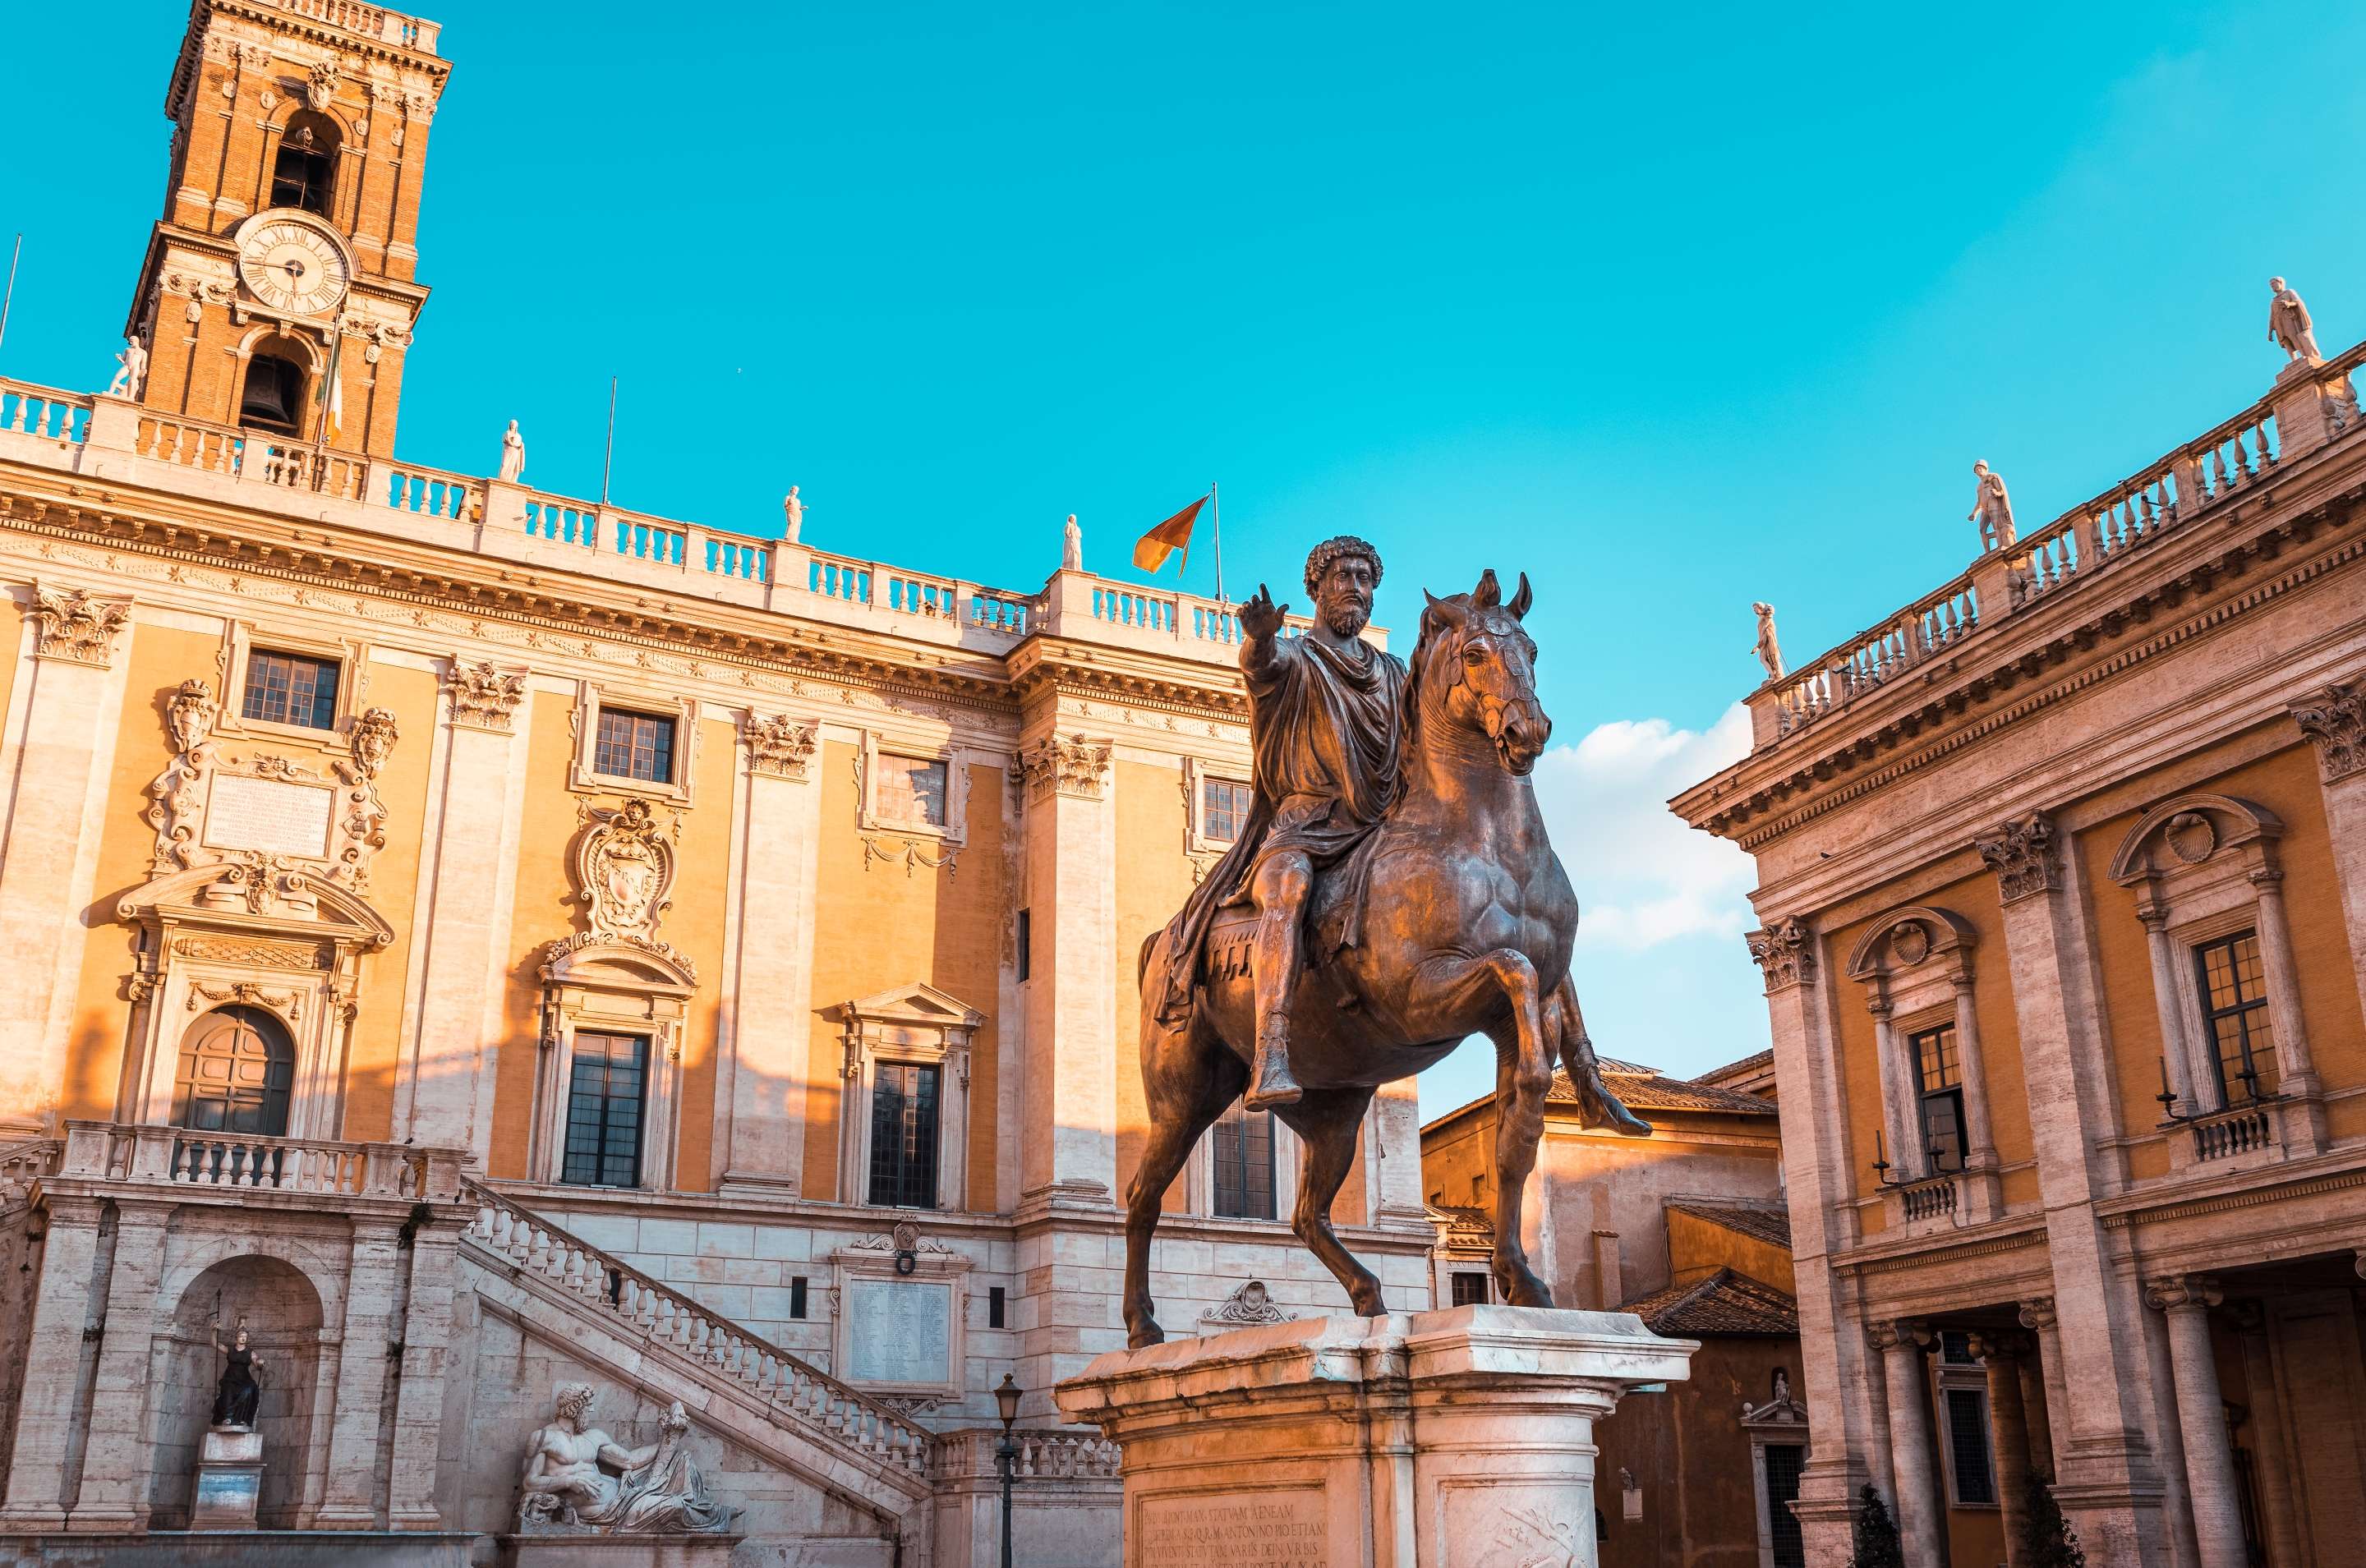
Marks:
<point>1749,1066</point>
<point>1644,1088</point>
<point>1727,1302</point>
<point>1766,1222</point>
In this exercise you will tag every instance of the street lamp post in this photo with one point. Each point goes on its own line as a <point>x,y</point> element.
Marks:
<point>1006,1456</point>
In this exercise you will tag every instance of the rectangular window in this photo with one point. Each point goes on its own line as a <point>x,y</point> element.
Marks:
<point>904,1135</point>
<point>1224,808</point>
<point>1968,1444</point>
<point>1026,945</point>
<point>604,1111</point>
<point>910,789</point>
<point>634,746</point>
<point>1243,1147</point>
<point>2235,1010</point>
<point>287,688</point>
<point>1784,1462</point>
<point>797,1295</point>
<point>1940,1080</point>
<point>994,1307</point>
<point>1470,1288</point>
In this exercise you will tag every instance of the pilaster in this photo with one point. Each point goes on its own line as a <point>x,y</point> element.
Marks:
<point>114,1494</point>
<point>765,1055</point>
<point>59,759</point>
<point>373,1288</point>
<point>46,1406</point>
<point>466,884</point>
<point>419,1401</point>
<point>2335,721</point>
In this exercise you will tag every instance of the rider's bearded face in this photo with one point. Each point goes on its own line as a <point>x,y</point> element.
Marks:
<point>1344,597</point>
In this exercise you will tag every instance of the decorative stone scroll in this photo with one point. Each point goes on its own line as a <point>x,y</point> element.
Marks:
<point>485,697</point>
<point>77,626</point>
<point>779,746</point>
<point>2336,723</point>
<point>1785,950</point>
<point>1249,1307</point>
<point>2022,854</point>
<point>1073,765</point>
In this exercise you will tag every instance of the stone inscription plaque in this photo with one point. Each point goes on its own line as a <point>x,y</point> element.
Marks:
<point>277,819</point>
<point>901,1330</point>
<point>1284,1528</point>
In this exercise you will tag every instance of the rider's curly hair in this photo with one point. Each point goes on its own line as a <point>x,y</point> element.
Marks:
<point>1319,559</point>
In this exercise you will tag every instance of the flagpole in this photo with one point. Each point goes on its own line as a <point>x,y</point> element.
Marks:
<point>608,461</point>
<point>10,297</point>
<point>1216,526</point>
<point>328,392</point>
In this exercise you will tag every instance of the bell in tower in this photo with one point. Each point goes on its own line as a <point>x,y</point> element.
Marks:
<point>278,292</point>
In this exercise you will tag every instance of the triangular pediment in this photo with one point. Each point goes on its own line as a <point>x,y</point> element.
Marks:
<point>917,1003</point>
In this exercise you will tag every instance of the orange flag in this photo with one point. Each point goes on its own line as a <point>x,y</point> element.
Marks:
<point>1150,551</point>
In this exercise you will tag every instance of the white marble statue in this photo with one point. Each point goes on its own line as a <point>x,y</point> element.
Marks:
<point>512,455</point>
<point>1769,652</point>
<point>580,1481</point>
<point>2288,323</point>
<point>793,513</point>
<point>1992,509</point>
<point>1071,546</point>
<point>132,372</point>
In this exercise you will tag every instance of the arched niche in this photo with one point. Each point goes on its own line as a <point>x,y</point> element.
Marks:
<point>287,1323</point>
<point>246,935</point>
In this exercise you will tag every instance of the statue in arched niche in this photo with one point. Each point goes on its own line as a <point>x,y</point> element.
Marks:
<point>241,1389</point>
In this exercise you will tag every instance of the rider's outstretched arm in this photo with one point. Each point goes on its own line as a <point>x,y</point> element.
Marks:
<point>1261,623</point>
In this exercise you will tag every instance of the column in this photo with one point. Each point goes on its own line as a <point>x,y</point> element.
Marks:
<point>1849,1439</point>
<point>2040,1377</point>
<point>70,696</point>
<point>467,881</point>
<point>1070,1113</point>
<point>2273,1464</point>
<point>766,1046</point>
<point>46,1405</point>
<point>2296,1067</point>
<point>2109,1481</point>
<point>372,1293</point>
<point>1913,1466</point>
<point>2001,1357</point>
<point>115,1459</point>
<point>1898,1094</point>
<point>2335,720</point>
<point>2189,1078</point>
<point>426,1355</point>
<point>1979,1153</point>
<point>2186,1299</point>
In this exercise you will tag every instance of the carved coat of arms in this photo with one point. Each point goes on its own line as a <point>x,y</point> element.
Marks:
<point>626,870</point>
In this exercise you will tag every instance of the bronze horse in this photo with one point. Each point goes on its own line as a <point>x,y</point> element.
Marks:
<point>1466,927</point>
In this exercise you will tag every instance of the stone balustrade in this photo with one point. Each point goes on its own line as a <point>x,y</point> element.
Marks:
<point>234,1166</point>
<point>369,21</point>
<point>1044,1454</point>
<point>1930,1199</point>
<point>2178,491</point>
<point>2225,1134</point>
<point>795,1391</point>
<point>22,1165</point>
<point>110,438</point>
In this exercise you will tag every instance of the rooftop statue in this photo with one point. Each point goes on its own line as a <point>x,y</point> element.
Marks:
<point>1391,892</point>
<point>1992,509</point>
<point>2288,323</point>
<point>512,455</point>
<point>577,1479</point>
<point>1071,546</point>
<point>792,516</point>
<point>132,372</point>
<point>1769,652</point>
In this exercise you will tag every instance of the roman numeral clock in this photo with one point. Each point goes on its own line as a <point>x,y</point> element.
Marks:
<point>293,263</point>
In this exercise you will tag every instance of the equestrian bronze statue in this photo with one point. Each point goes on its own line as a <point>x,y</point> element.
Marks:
<point>1391,892</point>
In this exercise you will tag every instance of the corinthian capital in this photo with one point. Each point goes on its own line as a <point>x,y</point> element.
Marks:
<point>2021,853</point>
<point>1785,950</point>
<point>1074,765</point>
<point>2336,722</point>
<point>779,745</point>
<point>77,626</point>
<point>485,697</point>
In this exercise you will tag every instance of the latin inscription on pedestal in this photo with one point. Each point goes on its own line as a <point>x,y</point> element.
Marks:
<point>1285,1529</point>
<point>901,1330</point>
<point>277,819</point>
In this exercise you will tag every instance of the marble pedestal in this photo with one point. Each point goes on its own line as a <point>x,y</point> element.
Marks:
<point>589,1550</point>
<point>1441,1439</point>
<point>230,1480</point>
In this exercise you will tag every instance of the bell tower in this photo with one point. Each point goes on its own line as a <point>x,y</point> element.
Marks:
<point>279,291</point>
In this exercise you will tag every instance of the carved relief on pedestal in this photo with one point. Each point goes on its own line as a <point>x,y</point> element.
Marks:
<point>77,626</point>
<point>1249,1307</point>
<point>779,745</point>
<point>485,697</point>
<point>1785,950</point>
<point>1076,766</point>
<point>2022,855</point>
<point>2336,723</point>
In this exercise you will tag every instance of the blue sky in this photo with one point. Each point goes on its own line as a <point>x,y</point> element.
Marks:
<point>1669,307</point>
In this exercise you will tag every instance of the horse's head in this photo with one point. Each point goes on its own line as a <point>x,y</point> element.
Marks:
<point>1479,664</point>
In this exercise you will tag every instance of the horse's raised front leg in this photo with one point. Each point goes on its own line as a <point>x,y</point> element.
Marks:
<point>1565,1034</point>
<point>1188,1079</point>
<point>1487,986</point>
<point>1326,1120</point>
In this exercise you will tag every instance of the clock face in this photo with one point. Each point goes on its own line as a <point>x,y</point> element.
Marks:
<point>291,263</point>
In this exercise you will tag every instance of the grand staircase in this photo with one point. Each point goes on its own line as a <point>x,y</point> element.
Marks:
<point>563,1291</point>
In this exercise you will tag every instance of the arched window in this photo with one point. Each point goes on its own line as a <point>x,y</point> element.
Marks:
<point>304,174</point>
<point>237,1068</point>
<point>274,398</point>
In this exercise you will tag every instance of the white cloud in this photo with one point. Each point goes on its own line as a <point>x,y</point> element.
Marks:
<point>1642,877</point>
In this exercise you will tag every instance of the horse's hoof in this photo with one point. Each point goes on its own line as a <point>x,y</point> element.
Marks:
<point>1142,1338</point>
<point>1368,1301</point>
<point>1522,1289</point>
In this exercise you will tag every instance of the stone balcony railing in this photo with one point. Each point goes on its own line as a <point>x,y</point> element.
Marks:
<point>238,1167</point>
<point>109,438</point>
<point>1044,1454</point>
<point>414,33</point>
<point>2309,408</point>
